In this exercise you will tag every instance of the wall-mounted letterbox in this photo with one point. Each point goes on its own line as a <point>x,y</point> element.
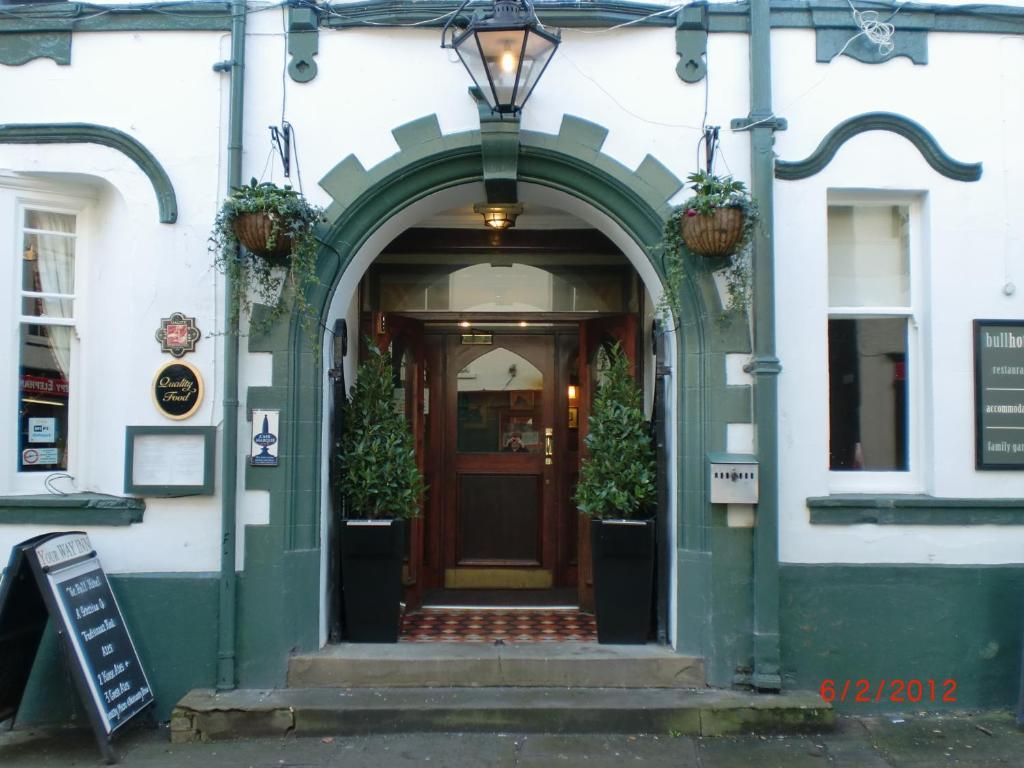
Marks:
<point>732,478</point>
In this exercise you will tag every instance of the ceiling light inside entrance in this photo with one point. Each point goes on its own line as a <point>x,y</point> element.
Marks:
<point>499,215</point>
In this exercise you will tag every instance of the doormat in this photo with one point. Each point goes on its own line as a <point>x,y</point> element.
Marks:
<point>498,626</point>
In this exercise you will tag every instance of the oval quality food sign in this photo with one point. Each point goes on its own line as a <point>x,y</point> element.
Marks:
<point>177,390</point>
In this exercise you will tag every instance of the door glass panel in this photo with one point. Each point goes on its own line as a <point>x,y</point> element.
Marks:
<point>500,400</point>
<point>510,287</point>
<point>403,394</point>
<point>602,362</point>
<point>400,362</point>
<point>516,288</point>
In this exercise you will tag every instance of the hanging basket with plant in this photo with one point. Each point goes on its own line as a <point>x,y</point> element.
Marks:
<point>262,235</point>
<point>716,222</point>
<point>277,227</point>
<point>713,234</point>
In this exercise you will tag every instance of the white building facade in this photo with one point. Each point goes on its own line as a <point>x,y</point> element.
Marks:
<point>887,541</point>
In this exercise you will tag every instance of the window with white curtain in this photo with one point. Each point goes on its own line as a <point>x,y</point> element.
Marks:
<point>45,330</point>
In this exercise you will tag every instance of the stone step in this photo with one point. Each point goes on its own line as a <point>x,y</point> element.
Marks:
<point>437,665</point>
<point>207,715</point>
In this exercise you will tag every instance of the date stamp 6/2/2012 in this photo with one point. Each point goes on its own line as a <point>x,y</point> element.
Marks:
<point>898,691</point>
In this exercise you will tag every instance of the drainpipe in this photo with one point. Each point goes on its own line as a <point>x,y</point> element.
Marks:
<point>229,443</point>
<point>765,365</point>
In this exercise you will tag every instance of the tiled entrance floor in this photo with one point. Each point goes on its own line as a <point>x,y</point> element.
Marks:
<point>513,625</point>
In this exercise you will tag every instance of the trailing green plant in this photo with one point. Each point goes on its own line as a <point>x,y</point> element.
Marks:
<point>710,193</point>
<point>739,283</point>
<point>618,474</point>
<point>378,475</point>
<point>277,281</point>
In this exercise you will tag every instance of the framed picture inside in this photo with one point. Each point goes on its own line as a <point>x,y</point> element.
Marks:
<point>520,400</point>
<point>574,417</point>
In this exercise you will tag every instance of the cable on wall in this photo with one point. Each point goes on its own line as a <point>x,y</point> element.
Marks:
<point>877,30</point>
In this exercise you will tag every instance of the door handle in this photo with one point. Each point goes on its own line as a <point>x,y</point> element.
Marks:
<point>549,445</point>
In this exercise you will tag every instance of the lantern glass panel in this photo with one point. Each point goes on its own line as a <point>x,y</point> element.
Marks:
<point>503,50</point>
<point>535,58</point>
<point>469,53</point>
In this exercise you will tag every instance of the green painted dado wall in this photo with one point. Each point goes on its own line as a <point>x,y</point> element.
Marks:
<point>278,606</point>
<point>173,621</point>
<point>731,657</point>
<point>839,622</point>
<point>902,622</point>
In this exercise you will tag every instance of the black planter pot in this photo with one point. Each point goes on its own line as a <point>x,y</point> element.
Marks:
<point>623,552</point>
<point>371,574</point>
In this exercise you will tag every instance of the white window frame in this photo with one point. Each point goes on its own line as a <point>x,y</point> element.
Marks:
<point>911,480</point>
<point>16,196</point>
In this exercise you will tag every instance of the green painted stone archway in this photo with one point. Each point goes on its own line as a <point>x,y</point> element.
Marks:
<point>282,563</point>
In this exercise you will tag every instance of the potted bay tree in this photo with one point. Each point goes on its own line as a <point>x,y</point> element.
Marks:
<point>617,490</point>
<point>381,485</point>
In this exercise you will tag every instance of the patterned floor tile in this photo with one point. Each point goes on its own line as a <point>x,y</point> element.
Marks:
<point>509,626</point>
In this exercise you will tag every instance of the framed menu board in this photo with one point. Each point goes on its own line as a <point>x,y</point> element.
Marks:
<point>999,394</point>
<point>169,461</point>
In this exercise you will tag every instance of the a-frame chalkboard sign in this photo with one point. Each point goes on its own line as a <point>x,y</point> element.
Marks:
<point>58,576</point>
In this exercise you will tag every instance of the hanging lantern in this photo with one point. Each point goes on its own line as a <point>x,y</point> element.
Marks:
<point>505,52</point>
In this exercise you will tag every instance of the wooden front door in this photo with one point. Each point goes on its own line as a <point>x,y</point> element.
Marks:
<point>499,458</point>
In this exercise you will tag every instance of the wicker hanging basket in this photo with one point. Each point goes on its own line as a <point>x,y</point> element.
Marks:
<point>253,230</point>
<point>713,234</point>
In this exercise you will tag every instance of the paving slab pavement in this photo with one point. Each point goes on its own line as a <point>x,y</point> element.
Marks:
<point>963,740</point>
